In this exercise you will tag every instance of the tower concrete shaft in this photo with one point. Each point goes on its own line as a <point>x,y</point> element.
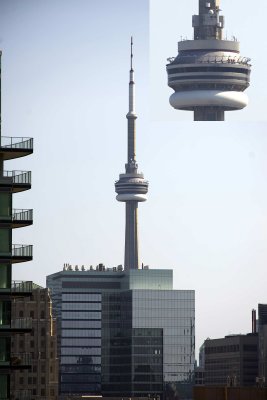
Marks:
<point>131,254</point>
<point>131,188</point>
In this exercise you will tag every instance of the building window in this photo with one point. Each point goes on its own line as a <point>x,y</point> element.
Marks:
<point>5,241</point>
<point>43,368</point>
<point>30,380</point>
<point>42,392</point>
<point>5,205</point>
<point>21,380</point>
<point>32,343</point>
<point>42,315</point>
<point>21,314</point>
<point>34,392</point>
<point>21,344</point>
<point>32,314</point>
<point>43,381</point>
<point>43,332</point>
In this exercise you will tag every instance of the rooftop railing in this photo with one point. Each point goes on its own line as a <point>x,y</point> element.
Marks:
<point>24,143</point>
<point>21,286</point>
<point>22,215</point>
<point>19,177</point>
<point>20,250</point>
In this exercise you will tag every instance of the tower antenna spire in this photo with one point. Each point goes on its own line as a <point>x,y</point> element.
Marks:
<point>131,53</point>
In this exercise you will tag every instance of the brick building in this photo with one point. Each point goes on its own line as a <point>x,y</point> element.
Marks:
<point>41,343</point>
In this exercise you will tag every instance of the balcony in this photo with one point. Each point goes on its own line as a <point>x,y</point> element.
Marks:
<point>21,253</point>
<point>21,395</point>
<point>18,219</point>
<point>15,147</point>
<point>18,325</point>
<point>17,289</point>
<point>21,288</point>
<point>17,361</point>
<point>18,180</point>
<point>21,218</point>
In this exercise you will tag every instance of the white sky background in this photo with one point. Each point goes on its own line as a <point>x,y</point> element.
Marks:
<point>65,82</point>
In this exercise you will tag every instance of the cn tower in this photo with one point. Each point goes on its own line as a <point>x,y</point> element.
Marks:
<point>131,188</point>
<point>209,76</point>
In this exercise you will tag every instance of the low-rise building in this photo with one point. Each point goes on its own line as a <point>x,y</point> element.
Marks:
<point>42,379</point>
<point>232,361</point>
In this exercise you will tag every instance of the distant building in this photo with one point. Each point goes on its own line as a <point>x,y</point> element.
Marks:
<point>199,376</point>
<point>41,343</point>
<point>202,356</point>
<point>262,327</point>
<point>200,370</point>
<point>232,361</point>
<point>123,333</point>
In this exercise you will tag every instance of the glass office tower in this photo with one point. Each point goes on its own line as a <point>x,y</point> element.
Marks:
<point>123,333</point>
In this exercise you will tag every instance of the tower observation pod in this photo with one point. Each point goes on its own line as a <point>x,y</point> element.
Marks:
<point>209,76</point>
<point>131,188</point>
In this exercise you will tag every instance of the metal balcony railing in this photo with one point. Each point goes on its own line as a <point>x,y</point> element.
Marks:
<point>21,323</point>
<point>21,395</point>
<point>20,359</point>
<point>19,250</point>
<point>22,215</point>
<point>21,286</point>
<point>19,177</point>
<point>25,143</point>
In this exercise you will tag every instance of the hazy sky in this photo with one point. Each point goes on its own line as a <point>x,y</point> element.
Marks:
<point>65,70</point>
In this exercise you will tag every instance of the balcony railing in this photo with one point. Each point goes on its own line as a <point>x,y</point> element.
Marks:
<point>20,360</point>
<point>21,215</point>
<point>21,323</point>
<point>21,395</point>
<point>18,324</point>
<point>19,177</point>
<point>24,143</point>
<point>17,360</point>
<point>21,286</point>
<point>19,250</point>
<point>183,59</point>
